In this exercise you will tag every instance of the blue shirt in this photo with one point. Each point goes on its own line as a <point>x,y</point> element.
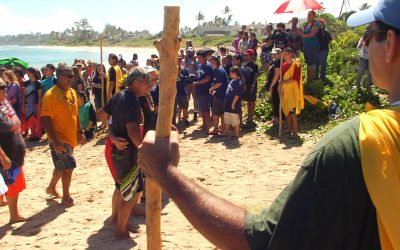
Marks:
<point>312,41</point>
<point>235,88</point>
<point>220,76</point>
<point>48,83</point>
<point>203,71</point>
<point>181,83</point>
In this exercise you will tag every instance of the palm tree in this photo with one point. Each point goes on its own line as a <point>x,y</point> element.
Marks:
<point>365,6</point>
<point>226,10</point>
<point>199,18</point>
<point>228,17</point>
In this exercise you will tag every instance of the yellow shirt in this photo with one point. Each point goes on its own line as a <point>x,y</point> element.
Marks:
<point>63,111</point>
<point>119,79</point>
<point>380,157</point>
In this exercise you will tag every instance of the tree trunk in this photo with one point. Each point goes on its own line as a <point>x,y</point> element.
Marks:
<point>168,48</point>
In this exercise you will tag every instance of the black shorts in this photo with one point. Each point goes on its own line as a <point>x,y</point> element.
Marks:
<point>217,107</point>
<point>130,178</point>
<point>250,96</point>
<point>204,102</point>
<point>182,102</point>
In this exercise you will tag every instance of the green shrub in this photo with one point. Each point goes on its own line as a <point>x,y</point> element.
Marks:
<point>339,87</point>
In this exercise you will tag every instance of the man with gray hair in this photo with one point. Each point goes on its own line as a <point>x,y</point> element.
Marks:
<point>126,115</point>
<point>60,118</point>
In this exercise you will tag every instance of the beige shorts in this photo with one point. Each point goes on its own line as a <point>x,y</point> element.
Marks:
<point>231,119</point>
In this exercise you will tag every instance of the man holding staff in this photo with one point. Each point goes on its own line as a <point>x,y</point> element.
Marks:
<point>346,194</point>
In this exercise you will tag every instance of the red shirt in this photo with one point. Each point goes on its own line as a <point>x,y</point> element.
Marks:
<point>296,73</point>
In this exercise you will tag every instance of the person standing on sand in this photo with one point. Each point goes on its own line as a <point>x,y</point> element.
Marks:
<point>61,121</point>
<point>114,76</point>
<point>49,80</point>
<point>126,115</point>
<point>233,102</point>
<point>251,77</point>
<point>33,103</point>
<point>204,77</point>
<point>292,101</point>
<point>346,194</point>
<point>218,91</point>
<point>12,154</point>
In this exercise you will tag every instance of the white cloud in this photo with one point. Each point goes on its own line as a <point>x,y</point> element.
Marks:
<point>12,23</point>
<point>149,14</point>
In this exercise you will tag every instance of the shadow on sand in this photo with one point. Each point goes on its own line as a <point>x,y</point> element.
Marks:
<point>34,226</point>
<point>104,238</point>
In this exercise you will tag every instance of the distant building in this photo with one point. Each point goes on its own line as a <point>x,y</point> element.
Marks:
<point>258,28</point>
<point>215,31</point>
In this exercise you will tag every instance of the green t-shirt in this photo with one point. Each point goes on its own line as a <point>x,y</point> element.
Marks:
<point>326,206</point>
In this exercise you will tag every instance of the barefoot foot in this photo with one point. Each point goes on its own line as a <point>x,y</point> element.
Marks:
<point>52,192</point>
<point>19,218</point>
<point>112,220</point>
<point>122,235</point>
<point>68,201</point>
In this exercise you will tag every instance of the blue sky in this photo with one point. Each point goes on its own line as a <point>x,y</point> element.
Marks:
<point>25,16</point>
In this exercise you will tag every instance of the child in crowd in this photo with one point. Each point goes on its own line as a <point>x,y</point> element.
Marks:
<point>253,44</point>
<point>87,115</point>
<point>244,43</point>
<point>182,101</point>
<point>233,100</point>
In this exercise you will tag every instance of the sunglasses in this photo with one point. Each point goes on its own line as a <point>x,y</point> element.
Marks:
<point>369,34</point>
<point>69,76</point>
<point>3,87</point>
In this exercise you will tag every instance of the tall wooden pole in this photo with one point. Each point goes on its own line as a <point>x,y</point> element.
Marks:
<point>101,70</point>
<point>168,48</point>
<point>280,96</point>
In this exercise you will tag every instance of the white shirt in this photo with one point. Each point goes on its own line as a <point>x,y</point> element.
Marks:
<point>363,50</point>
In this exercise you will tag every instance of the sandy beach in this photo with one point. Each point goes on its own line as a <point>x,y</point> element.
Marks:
<point>250,173</point>
<point>116,49</point>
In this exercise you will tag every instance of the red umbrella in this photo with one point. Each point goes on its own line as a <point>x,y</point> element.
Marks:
<point>291,5</point>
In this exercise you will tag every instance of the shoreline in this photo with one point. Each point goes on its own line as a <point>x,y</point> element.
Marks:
<point>92,48</point>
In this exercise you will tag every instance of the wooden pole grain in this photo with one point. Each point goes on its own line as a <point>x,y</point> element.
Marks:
<point>168,48</point>
<point>280,97</point>
<point>101,70</point>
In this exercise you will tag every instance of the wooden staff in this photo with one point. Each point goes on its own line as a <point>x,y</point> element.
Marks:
<point>101,70</point>
<point>168,47</point>
<point>280,96</point>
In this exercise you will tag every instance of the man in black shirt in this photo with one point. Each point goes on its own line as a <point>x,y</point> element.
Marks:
<point>272,82</point>
<point>324,38</point>
<point>250,93</point>
<point>126,115</point>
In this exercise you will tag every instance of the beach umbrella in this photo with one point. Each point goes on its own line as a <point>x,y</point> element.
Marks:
<point>296,5</point>
<point>11,62</point>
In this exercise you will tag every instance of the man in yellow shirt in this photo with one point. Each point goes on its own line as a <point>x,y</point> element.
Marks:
<point>61,121</point>
<point>114,76</point>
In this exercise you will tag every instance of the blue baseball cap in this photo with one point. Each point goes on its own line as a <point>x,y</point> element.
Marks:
<point>386,11</point>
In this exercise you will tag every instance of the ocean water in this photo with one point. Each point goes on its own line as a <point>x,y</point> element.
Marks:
<point>39,56</point>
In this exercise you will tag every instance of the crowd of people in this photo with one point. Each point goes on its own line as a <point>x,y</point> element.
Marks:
<point>58,101</point>
<point>71,103</point>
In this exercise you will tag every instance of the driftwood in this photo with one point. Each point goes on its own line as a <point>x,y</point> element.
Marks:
<point>168,48</point>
